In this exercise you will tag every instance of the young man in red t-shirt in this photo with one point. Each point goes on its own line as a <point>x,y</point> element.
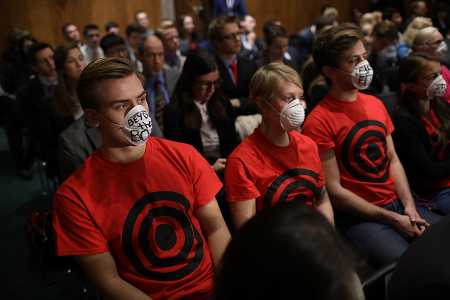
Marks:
<point>363,174</point>
<point>140,215</point>
<point>276,163</point>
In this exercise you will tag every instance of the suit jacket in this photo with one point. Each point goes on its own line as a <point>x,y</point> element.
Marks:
<point>171,77</point>
<point>78,141</point>
<point>240,90</point>
<point>175,129</point>
<point>220,8</point>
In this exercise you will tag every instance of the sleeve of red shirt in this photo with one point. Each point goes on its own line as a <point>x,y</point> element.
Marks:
<point>317,131</point>
<point>317,161</point>
<point>238,182</point>
<point>206,184</point>
<point>76,233</point>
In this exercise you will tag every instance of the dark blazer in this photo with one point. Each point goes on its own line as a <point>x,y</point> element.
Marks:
<point>238,9</point>
<point>43,122</point>
<point>240,90</point>
<point>174,129</point>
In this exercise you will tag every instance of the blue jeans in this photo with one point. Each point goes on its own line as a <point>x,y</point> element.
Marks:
<point>441,201</point>
<point>381,242</point>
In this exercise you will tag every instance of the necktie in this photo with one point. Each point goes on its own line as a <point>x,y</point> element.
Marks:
<point>159,104</point>
<point>234,71</point>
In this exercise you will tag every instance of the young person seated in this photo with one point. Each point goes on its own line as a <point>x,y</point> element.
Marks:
<point>431,42</point>
<point>288,252</point>
<point>276,163</point>
<point>364,176</point>
<point>422,123</point>
<point>140,215</point>
<point>199,114</point>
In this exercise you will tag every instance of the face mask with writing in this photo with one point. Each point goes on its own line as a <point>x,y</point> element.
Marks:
<point>137,125</point>
<point>437,87</point>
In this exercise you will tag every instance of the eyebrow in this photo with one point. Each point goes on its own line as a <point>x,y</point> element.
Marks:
<point>126,100</point>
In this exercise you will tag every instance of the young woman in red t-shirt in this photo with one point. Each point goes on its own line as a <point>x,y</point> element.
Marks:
<point>422,133</point>
<point>276,163</point>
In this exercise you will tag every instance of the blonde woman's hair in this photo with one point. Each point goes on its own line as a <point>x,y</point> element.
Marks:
<point>266,81</point>
<point>423,36</point>
<point>413,28</point>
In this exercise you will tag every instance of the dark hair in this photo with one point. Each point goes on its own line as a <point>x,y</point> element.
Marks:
<point>111,40</point>
<point>134,28</point>
<point>275,31</point>
<point>289,249</point>
<point>111,24</point>
<point>409,71</point>
<point>180,26</point>
<point>99,70</point>
<point>34,49</point>
<point>197,63</point>
<point>217,25</point>
<point>389,12</point>
<point>65,103</point>
<point>331,43</point>
<point>89,27</point>
<point>324,21</point>
<point>386,29</point>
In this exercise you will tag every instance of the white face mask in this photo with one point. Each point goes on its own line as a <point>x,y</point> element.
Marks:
<point>362,75</point>
<point>137,125</point>
<point>442,48</point>
<point>292,115</point>
<point>437,87</point>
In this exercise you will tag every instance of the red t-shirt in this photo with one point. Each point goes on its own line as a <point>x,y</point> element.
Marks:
<point>258,169</point>
<point>432,125</point>
<point>357,132</point>
<point>143,213</point>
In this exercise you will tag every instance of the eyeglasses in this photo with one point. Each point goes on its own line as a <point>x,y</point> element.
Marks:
<point>208,84</point>
<point>233,35</point>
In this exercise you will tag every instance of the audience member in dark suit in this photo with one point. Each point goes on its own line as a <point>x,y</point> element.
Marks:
<point>303,40</point>
<point>235,71</point>
<point>422,133</point>
<point>199,113</point>
<point>229,8</point>
<point>159,80</point>
<point>277,48</point>
<point>36,99</point>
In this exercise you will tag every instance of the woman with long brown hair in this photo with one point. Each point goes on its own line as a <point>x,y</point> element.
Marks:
<point>199,114</point>
<point>422,132</point>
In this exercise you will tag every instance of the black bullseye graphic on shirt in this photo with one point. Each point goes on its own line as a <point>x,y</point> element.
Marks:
<point>364,151</point>
<point>290,181</point>
<point>159,222</point>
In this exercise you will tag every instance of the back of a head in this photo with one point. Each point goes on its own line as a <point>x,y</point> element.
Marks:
<point>287,250</point>
<point>386,29</point>
<point>275,31</point>
<point>111,40</point>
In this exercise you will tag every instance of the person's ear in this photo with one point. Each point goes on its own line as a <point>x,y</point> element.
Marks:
<point>92,117</point>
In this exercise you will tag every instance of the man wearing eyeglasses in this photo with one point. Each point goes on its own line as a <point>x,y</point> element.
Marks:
<point>91,50</point>
<point>235,70</point>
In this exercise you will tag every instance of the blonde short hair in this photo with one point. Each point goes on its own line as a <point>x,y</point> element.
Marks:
<point>413,28</point>
<point>423,36</point>
<point>266,81</point>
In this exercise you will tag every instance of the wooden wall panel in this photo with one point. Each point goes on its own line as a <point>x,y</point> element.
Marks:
<point>44,18</point>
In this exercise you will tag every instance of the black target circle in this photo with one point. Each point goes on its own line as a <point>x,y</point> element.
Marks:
<point>149,209</point>
<point>364,151</point>
<point>288,182</point>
